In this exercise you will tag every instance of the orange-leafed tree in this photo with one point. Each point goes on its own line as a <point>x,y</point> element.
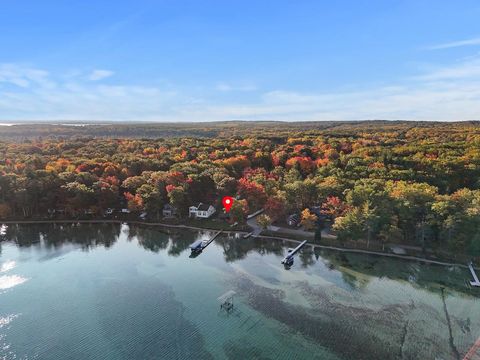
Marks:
<point>134,202</point>
<point>253,193</point>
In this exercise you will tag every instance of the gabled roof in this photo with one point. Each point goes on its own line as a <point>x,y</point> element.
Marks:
<point>203,207</point>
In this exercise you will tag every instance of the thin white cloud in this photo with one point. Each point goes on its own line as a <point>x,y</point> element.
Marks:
<point>442,93</point>
<point>445,93</point>
<point>227,87</point>
<point>467,69</point>
<point>100,74</point>
<point>455,44</point>
<point>24,76</point>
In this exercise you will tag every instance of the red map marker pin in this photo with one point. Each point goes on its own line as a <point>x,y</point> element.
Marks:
<point>227,203</point>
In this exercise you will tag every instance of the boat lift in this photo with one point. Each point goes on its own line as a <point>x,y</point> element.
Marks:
<point>288,260</point>
<point>198,246</point>
<point>475,281</point>
<point>226,300</point>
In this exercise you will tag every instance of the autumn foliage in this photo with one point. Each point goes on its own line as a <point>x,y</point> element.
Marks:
<point>416,183</point>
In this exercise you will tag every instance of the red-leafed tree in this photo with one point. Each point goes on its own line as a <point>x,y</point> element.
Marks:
<point>334,207</point>
<point>175,178</point>
<point>303,163</point>
<point>253,193</point>
<point>275,208</point>
<point>170,188</point>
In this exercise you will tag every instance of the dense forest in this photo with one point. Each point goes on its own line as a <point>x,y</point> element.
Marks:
<point>396,182</point>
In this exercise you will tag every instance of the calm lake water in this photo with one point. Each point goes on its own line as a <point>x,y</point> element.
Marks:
<point>118,292</point>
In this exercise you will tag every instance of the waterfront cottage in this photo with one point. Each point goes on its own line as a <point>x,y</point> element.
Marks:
<point>201,211</point>
<point>169,211</point>
<point>293,220</point>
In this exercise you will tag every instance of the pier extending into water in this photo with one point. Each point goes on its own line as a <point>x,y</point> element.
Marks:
<point>199,245</point>
<point>288,260</point>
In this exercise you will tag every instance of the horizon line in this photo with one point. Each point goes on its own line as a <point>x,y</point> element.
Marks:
<point>153,122</point>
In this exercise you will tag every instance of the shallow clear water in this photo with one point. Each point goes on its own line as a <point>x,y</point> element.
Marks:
<point>119,292</point>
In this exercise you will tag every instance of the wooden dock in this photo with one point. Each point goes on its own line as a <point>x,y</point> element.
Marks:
<point>246,236</point>
<point>288,260</point>
<point>199,245</point>
<point>475,281</point>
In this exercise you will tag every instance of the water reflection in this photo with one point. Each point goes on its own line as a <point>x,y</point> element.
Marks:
<point>7,266</point>
<point>157,239</point>
<point>239,249</point>
<point>10,281</point>
<point>58,235</point>
<point>149,239</point>
<point>356,269</point>
<point>354,305</point>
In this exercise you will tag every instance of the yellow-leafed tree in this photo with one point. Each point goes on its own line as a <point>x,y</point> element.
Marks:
<point>308,219</point>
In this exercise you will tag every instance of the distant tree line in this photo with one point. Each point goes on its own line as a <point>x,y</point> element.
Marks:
<point>412,183</point>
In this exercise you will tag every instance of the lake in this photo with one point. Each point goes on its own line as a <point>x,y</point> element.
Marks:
<point>114,291</point>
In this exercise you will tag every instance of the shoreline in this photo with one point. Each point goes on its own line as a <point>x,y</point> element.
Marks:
<point>115,221</point>
<point>369,252</point>
<point>182,226</point>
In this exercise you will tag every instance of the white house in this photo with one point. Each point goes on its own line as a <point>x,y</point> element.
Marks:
<point>201,211</point>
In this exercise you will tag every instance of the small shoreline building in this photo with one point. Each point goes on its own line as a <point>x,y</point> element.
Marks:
<point>294,220</point>
<point>201,211</point>
<point>169,211</point>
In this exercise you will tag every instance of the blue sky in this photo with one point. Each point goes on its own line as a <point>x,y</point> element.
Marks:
<point>255,60</point>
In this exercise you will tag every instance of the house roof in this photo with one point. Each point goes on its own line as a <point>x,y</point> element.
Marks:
<point>203,207</point>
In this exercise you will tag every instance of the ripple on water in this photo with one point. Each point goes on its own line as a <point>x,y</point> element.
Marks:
<point>5,352</point>
<point>4,321</point>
